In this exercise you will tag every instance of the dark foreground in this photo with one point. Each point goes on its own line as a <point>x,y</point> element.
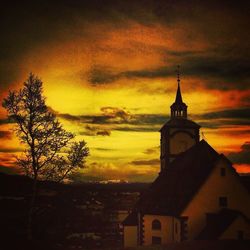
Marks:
<point>86,216</point>
<point>193,245</point>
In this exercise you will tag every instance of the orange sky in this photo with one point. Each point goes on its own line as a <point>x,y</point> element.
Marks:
<point>109,74</point>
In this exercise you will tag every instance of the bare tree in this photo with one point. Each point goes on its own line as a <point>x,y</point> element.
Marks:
<point>49,152</point>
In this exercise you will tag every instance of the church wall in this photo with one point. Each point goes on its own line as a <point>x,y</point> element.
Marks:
<point>169,232</point>
<point>206,199</point>
<point>234,230</point>
<point>130,236</point>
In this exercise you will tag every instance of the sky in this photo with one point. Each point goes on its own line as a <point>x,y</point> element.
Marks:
<point>109,74</point>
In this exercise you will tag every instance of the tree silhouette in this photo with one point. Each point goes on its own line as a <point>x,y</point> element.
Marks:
<point>49,152</point>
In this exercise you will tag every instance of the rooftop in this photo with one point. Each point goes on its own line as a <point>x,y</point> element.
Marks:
<point>174,187</point>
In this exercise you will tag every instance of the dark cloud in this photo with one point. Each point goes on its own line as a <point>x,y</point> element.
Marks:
<point>146,162</point>
<point>103,149</point>
<point>224,118</point>
<point>71,117</point>
<point>5,134</point>
<point>101,75</point>
<point>137,121</point>
<point>121,120</point>
<point>103,133</point>
<point>150,119</point>
<point>221,123</point>
<point>77,118</point>
<point>217,71</point>
<point>114,115</point>
<point>109,115</point>
<point>242,157</point>
<point>95,130</point>
<point>241,113</point>
<point>117,114</point>
<point>27,25</point>
<point>138,128</point>
<point>152,150</point>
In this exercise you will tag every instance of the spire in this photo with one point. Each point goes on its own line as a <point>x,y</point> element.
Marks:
<point>178,108</point>
<point>178,98</point>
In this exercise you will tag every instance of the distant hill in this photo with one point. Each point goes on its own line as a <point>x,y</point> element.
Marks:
<point>19,184</point>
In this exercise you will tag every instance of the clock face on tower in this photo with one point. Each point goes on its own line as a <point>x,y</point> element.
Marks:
<point>180,142</point>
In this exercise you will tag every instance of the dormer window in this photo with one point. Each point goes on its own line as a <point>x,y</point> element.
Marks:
<point>156,225</point>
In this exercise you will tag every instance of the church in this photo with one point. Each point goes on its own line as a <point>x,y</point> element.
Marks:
<point>197,194</point>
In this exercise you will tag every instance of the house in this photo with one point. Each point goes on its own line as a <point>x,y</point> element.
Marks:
<point>197,195</point>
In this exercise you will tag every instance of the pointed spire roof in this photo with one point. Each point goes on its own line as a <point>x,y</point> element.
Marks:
<point>178,98</point>
<point>178,108</point>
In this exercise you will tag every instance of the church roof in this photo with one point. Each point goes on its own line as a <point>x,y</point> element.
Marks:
<point>178,122</point>
<point>218,223</point>
<point>174,188</point>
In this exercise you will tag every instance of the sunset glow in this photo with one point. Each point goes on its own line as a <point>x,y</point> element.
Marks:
<point>110,78</point>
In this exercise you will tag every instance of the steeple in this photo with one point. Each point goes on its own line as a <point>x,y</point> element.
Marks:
<point>178,108</point>
<point>178,98</point>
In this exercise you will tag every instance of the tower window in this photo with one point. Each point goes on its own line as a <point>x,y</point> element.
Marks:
<point>223,201</point>
<point>156,240</point>
<point>156,225</point>
<point>222,172</point>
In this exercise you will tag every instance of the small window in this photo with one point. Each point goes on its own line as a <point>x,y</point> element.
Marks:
<point>240,235</point>
<point>156,225</point>
<point>222,172</point>
<point>156,240</point>
<point>223,201</point>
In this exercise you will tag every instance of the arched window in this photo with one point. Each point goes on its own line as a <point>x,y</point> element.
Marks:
<point>156,225</point>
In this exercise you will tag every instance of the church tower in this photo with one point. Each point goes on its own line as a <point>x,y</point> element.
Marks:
<point>178,134</point>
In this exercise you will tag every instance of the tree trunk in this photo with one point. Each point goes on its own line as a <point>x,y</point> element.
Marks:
<point>31,210</point>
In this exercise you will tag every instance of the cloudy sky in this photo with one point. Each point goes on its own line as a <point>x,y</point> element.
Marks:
<point>108,69</point>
